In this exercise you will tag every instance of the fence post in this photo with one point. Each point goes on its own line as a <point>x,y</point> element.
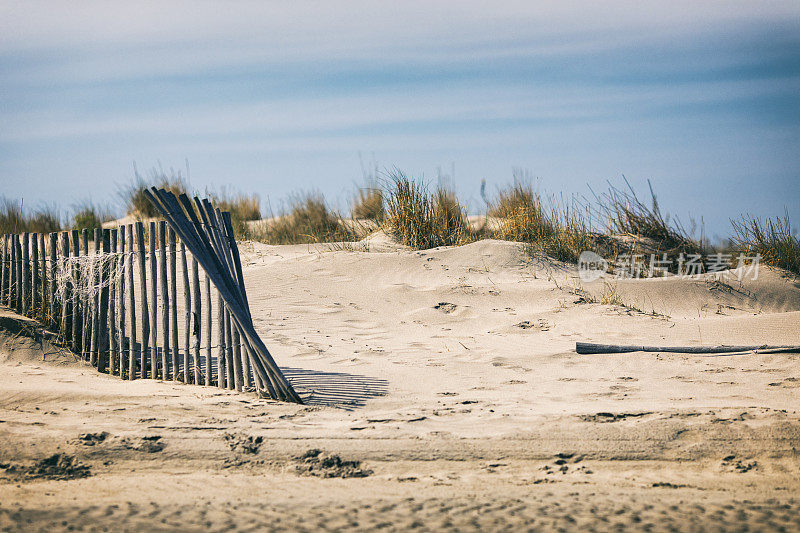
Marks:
<point>55,309</point>
<point>4,271</point>
<point>196,313</point>
<point>162,256</point>
<point>26,273</point>
<point>104,353</point>
<point>187,315</point>
<point>20,262</point>
<point>34,274</point>
<point>208,331</point>
<point>222,374</point>
<point>66,300</point>
<point>153,303</point>
<point>43,274</point>
<point>237,357</point>
<point>234,370</point>
<point>173,297</point>
<point>132,303</point>
<point>86,308</point>
<point>77,305</point>
<point>113,363</point>
<point>94,357</point>
<point>123,352</point>
<point>141,257</point>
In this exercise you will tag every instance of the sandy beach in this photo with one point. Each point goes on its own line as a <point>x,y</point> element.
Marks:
<point>442,391</point>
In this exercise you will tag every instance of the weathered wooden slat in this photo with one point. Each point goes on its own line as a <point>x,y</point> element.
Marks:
<point>113,352</point>
<point>35,311</point>
<point>153,303</point>
<point>12,272</point>
<point>222,374</point>
<point>44,281</point>
<point>87,305</point>
<point>162,257</point>
<point>94,356</point>
<point>196,315</point>
<point>132,355</point>
<point>121,326</point>
<point>4,272</point>
<point>13,280</point>
<point>141,258</point>
<point>208,329</point>
<point>77,305</point>
<point>26,273</point>
<point>66,301</point>
<point>233,383</point>
<point>55,308</point>
<point>173,299</point>
<point>103,353</point>
<point>187,315</point>
<point>237,359</point>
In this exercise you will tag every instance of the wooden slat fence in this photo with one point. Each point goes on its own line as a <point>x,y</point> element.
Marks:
<point>105,305</point>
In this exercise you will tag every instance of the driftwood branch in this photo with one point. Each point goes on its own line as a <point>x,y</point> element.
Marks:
<point>591,348</point>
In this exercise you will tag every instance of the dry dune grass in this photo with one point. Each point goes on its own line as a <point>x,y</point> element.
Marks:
<point>133,195</point>
<point>368,204</point>
<point>13,218</point>
<point>420,219</point>
<point>558,231</point>
<point>772,239</point>
<point>307,220</point>
<point>626,214</point>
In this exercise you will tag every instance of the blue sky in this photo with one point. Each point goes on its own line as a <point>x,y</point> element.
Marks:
<point>703,98</point>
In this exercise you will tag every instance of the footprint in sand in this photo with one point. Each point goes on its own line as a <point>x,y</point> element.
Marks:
<point>537,325</point>
<point>445,307</point>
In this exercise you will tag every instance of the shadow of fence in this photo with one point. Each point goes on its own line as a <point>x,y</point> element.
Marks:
<point>334,389</point>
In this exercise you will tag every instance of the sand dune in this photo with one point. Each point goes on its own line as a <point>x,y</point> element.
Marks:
<point>450,375</point>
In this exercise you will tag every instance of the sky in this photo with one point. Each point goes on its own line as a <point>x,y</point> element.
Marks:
<point>700,98</point>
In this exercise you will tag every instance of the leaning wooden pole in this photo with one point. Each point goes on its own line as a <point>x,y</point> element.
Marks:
<point>181,214</point>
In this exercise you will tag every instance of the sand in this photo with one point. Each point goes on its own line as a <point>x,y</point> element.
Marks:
<point>443,392</point>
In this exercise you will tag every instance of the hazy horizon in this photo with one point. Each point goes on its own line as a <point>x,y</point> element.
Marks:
<point>703,99</point>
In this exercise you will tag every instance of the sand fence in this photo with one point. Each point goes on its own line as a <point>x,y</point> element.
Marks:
<point>166,301</point>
